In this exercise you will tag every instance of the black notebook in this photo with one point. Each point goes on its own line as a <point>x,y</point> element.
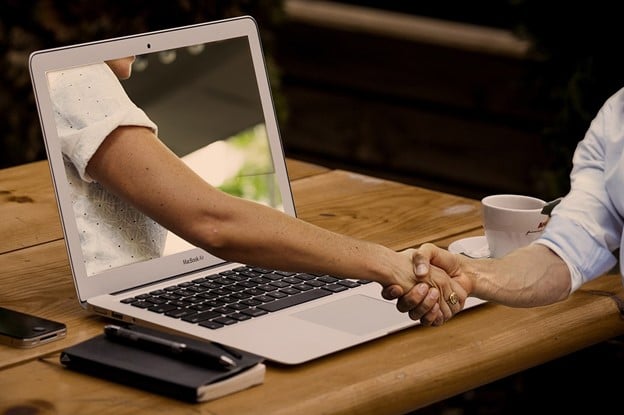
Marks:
<point>162,374</point>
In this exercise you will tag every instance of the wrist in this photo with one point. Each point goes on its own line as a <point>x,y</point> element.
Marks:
<point>392,268</point>
<point>474,272</point>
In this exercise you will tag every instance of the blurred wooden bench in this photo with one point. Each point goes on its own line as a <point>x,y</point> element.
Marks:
<point>426,101</point>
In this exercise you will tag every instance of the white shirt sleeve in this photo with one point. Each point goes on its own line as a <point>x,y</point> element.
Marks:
<point>586,227</point>
<point>89,103</point>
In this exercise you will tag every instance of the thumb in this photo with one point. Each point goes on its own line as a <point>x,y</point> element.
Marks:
<point>433,255</point>
<point>421,260</point>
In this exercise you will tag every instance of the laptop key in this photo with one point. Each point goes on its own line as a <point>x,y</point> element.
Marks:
<point>225,320</point>
<point>141,304</point>
<point>251,302</point>
<point>277,294</point>
<point>206,315</point>
<point>162,308</point>
<point>224,310</point>
<point>336,288</point>
<point>211,324</point>
<point>327,278</point>
<point>294,300</point>
<point>239,316</point>
<point>253,312</point>
<point>179,312</point>
<point>348,283</point>
<point>264,298</point>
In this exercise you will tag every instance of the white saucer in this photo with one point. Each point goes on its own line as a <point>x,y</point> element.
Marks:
<point>474,247</point>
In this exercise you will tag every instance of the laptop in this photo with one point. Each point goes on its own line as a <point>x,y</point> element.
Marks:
<point>206,88</point>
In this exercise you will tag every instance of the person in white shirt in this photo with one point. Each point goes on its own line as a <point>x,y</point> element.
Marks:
<point>580,242</point>
<point>117,162</point>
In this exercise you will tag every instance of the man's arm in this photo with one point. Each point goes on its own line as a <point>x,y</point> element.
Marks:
<point>527,277</point>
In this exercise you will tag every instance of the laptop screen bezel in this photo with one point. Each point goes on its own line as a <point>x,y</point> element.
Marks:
<point>42,62</point>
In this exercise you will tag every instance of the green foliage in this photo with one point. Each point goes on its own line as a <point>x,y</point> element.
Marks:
<point>255,179</point>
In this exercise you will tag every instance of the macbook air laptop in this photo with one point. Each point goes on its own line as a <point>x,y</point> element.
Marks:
<point>206,88</point>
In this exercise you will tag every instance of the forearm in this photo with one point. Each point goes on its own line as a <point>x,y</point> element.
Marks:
<point>528,277</point>
<point>270,238</point>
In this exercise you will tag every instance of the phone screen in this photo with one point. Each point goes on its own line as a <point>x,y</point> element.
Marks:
<point>26,330</point>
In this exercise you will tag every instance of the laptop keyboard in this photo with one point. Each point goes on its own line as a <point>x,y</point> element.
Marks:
<point>240,294</point>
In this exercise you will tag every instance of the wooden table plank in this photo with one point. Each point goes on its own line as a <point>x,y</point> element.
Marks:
<point>299,169</point>
<point>27,207</point>
<point>38,280</point>
<point>391,213</point>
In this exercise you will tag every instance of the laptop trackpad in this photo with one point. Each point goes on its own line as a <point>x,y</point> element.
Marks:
<point>357,314</point>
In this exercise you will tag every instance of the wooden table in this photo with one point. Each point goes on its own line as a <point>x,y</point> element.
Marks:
<point>396,374</point>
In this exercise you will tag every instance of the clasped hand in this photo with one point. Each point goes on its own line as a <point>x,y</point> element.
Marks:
<point>440,289</point>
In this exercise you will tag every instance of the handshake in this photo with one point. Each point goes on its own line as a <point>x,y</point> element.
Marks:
<point>530,276</point>
<point>440,289</point>
<point>522,272</point>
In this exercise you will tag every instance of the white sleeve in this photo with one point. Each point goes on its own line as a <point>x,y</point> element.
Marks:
<point>89,103</point>
<point>586,227</point>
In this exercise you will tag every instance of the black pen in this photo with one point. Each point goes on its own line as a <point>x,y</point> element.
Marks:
<point>175,349</point>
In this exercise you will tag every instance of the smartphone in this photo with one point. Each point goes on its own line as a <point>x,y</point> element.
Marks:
<point>25,330</point>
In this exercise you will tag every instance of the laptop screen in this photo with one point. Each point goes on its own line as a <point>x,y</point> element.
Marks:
<point>205,92</point>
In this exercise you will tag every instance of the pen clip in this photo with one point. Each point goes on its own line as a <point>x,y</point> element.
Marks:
<point>232,352</point>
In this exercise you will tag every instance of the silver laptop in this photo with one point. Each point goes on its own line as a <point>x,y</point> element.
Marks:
<point>207,89</point>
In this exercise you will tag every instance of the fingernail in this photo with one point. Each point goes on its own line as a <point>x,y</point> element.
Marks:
<point>422,269</point>
<point>434,294</point>
<point>422,289</point>
<point>395,292</point>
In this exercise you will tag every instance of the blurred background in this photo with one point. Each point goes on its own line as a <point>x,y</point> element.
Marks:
<point>469,97</point>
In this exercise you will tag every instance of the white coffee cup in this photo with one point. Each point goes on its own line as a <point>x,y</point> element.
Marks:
<point>511,221</point>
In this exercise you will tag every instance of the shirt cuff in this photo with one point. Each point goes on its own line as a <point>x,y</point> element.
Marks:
<point>585,257</point>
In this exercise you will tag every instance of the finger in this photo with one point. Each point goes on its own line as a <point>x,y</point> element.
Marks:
<point>429,318</point>
<point>452,294</point>
<point>438,322</point>
<point>414,298</point>
<point>439,257</point>
<point>418,301</point>
<point>421,260</point>
<point>392,292</point>
<point>454,299</point>
<point>440,281</point>
<point>421,264</point>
